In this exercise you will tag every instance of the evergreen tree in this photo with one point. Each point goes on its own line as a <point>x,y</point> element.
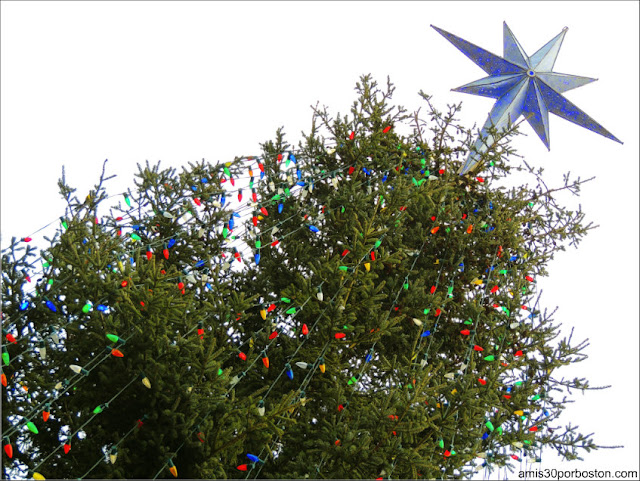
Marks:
<point>363,312</point>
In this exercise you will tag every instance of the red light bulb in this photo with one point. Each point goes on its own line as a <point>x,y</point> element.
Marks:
<point>8,448</point>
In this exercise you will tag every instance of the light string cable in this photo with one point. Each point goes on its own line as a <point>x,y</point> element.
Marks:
<point>86,369</point>
<point>316,364</point>
<point>84,372</point>
<point>426,311</point>
<point>364,365</point>
<point>222,192</point>
<point>426,355</point>
<point>217,166</point>
<point>192,329</point>
<point>470,345</point>
<point>96,411</point>
<point>102,458</point>
<point>490,273</point>
<point>59,284</point>
<point>425,333</point>
<point>257,357</point>
<point>431,340</point>
<point>471,341</point>
<point>300,394</point>
<point>321,462</point>
<point>162,241</point>
<point>107,356</point>
<point>425,359</point>
<point>236,379</point>
<point>372,348</point>
<point>284,370</point>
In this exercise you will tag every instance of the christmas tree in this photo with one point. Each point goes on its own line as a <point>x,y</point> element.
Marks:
<point>348,308</point>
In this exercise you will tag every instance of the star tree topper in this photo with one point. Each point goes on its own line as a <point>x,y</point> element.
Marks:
<point>523,85</point>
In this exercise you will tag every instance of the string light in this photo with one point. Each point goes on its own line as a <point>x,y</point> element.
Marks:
<point>172,469</point>
<point>8,449</point>
<point>275,332</point>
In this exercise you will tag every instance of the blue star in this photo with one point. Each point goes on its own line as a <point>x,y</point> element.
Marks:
<point>523,85</point>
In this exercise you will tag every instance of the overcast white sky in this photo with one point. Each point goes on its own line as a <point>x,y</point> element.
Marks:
<point>178,82</point>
